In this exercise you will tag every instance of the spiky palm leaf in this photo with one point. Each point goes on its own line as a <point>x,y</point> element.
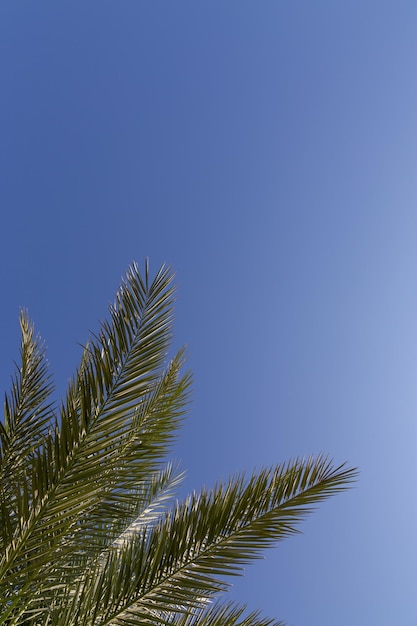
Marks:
<point>222,614</point>
<point>84,538</point>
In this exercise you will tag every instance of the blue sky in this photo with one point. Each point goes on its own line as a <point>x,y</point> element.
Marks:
<point>268,152</point>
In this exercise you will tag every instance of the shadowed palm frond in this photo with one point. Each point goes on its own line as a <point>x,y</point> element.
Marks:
<point>86,536</point>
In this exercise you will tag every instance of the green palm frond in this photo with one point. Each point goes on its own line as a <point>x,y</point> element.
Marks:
<point>28,413</point>
<point>182,561</point>
<point>121,412</point>
<point>86,536</point>
<point>222,614</point>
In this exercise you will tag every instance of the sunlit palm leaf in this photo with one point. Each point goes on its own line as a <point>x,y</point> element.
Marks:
<point>85,537</point>
<point>182,561</point>
<point>121,413</point>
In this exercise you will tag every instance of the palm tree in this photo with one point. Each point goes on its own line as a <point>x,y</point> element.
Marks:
<point>86,535</point>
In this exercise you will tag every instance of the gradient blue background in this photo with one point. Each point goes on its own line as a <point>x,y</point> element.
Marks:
<point>268,152</point>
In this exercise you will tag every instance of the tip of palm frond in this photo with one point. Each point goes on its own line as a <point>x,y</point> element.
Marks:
<point>27,328</point>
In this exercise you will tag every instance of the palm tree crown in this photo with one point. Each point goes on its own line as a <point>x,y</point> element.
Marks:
<point>86,537</point>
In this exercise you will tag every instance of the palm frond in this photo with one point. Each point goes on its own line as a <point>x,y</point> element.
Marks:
<point>121,413</point>
<point>85,536</point>
<point>222,614</point>
<point>183,560</point>
<point>28,413</point>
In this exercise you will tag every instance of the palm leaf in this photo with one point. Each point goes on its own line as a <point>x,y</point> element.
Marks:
<point>222,614</point>
<point>86,539</point>
<point>181,562</point>
<point>28,413</point>
<point>121,412</point>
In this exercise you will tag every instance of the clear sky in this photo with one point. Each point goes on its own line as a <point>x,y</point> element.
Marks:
<point>267,150</point>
